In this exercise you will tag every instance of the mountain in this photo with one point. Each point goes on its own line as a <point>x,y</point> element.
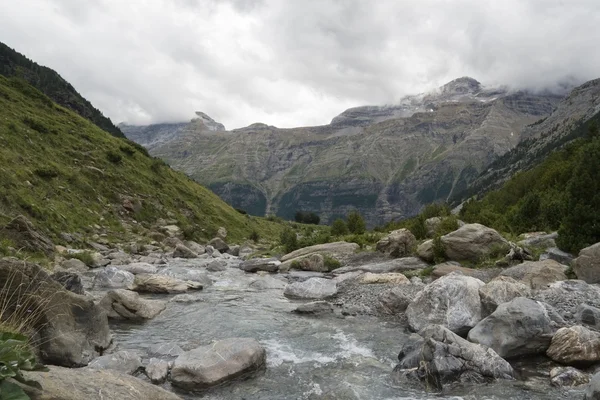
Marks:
<point>385,161</point>
<point>67,175</point>
<point>49,82</point>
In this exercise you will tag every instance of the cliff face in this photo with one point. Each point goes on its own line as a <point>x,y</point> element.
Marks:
<point>386,161</point>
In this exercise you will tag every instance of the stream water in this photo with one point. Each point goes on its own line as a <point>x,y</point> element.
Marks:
<point>307,357</point>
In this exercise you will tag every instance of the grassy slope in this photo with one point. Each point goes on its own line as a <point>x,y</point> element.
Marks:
<point>64,173</point>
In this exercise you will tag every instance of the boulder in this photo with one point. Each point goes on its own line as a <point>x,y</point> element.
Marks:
<point>91,384</point>
<point>518,328</point>
<point>425,250</point>
<point>587,264</point>
<point>127,362</point>
<point>313,288</point>
<point>473,242</point>
<point>23,235</point>
<point>537,274</point>
<point>452,301</point>
<point>575,345</point>
<point>443,357</point>
<point>125,304</point>
<point>70,328</point>
<point>313,262</point>
<point>568,377</point>
<point>260,264</point>
<point>138,268</point>
<point>538,239</point>
<point>554,253</point>
<point>567,296</point>
<point>588,315</point>
<point>165,350</point>
<point>113,278</point>
<point>501,290</point>
<point>446,268</point>
<point>398,243</point>
<point>69,280</point>
<point>171,230</point>
<point>163,284</point>
<point>267,283</point>
<point>216,266</point>
<point>219,244</point>
<point>395,265</point>
<point>195,247</point>
<point>157,370</point>
<point>397,299</point>
<point>338,250</point>
<point>390,277</point>
<point>314,308</point>
<point>222,233</point>
<point>74,265</point>
<point>234,250</point>
<point>593,390</point>
<point>431,225</point>
<point>219,362</point>
<point>182,251</point>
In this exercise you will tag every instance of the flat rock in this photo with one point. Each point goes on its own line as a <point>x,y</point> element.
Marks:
<point>390,277</point>
<point>537,274</point>
<point>446,268</point>
<point>338,250</point>
<point>396,265</point>
<point>164,350</point>
<point>163,284</point>
<point>138,268</point>
<point>125,304</point>
<point>313,288</point>
<point>314,308</point>
<point>267,283</point>
<point>260,264</point>
<point>127,362</point>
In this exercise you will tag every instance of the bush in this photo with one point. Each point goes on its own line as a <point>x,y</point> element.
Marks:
<point>254,236</point>
<point>439,251</point>
<point>243,212</point>
<point>331,263</point>
<point>305,217</point>
<point>114,157</point>
<point>417,227</point>
<point>85,257</point>
<point>447,225</point>
<point>48,172</point>
<point>356,223</point>
<point>339,227</point>
<point>288,240</point>
<point>127,149</point>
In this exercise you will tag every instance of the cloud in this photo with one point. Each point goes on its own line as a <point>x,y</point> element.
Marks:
<point>293,63</point>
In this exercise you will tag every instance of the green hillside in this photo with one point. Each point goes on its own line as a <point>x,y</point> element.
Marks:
<point>562,192</point>
<point>53,85</point>
<point>67,175</point>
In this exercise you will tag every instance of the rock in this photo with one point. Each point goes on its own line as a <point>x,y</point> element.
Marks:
<point>587,264</point>
<point>261,264</point>
<point>391,277</point>
<point>157,370</point>
<point>452,301</point>
<point>537,274</point>
<point>138,268</point>
<point>187,274</point>
<point>195,247</point>
<point>313,262</point>
<point>568,377</point>
<point>425,250</point>
<point>69,280</point>
<point>398,243</point>
<point>567,296</point>
<point>125,304</point>
<point>517,254</point>
<point>219,244</point>
<point>171,230</point>
<point>338,250</point>
<point>593,390</point>
<point>267,283</point>
<point>589,316</point>
<point>554,253</point>
<point>74,265</point>
<point>183,252</point>
<point>97,260</point>
<point>432,225</point>
<point>443,357</point>
<point>575,345</point>
<point>473,242</point>
<point>517,328</point>
<point>314,308</point>
<point>313,288</point>
<point>71,329</point>
<point>222,233</point>
<point>91,384</point>
<point>216,266</point>
<point>446,268</point>
<point>119,257</point>
<point>23,235</point>
<point>245,252</point>
<point>165,350</point>
<point>538,239</point>
<point>172,242</point>
<point>113,278</point>
<point>127,362</point>
<point>501,290</point>
<point>186,298</point>
<point>395,265</point>
<point>163,284</point>
<point>234,250</point>
<point>219,362</point>
<point>396,300</point>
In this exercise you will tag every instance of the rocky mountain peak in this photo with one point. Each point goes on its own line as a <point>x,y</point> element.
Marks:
<point>462,85</point>
<point>208,122</point>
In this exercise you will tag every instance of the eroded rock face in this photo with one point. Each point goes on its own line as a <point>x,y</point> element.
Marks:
<point>537,274</point>
<point>71,328</point>
<point>473,242</point>
<point>518,328</point>
<point>575,345</point>
<point>85,383</point>
<point>443,357</point>
<point>501,290</point>
<point>313,288</point>
<point>398,243</point>
<point>222,361</point>
<point>125,304</point>
<point>452,301</point>
<point>587,264</point>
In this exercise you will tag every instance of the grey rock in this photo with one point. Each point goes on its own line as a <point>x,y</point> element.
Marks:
<point>186,298</point>
<point>501,290</point>
<point>127,362</point>
<point>337,250</point>
<point>588,315</point>
<point>517,328</point>
<point>267,283</point>
<point>452,301</point>
<point>554,253</point>
<point>587,264</point>
<point>69,280</point>
<point>157,370</point>
<point>397,299</point>
<point>194,247</point>
<point>125,304</point>
<point>75,265</point>
<point>398,243</point>
<point>219,244</point>
<point>219,362</point>
<point>234,250</point>
<point>187,274</point>
<point>216,266</point>
<point>537,274</point>
<point>432,225</point>
<point>138,268</point>
<point>182,251</point>
<point>538,239</point>
<point>24,235</point>
<point>312,262</point>
<point>113,278</point>
<point>314,308</point>
<point>446,268</point>
<point>396,265</point>
<point>425,250</point>
<point>593,390</point>
<point>222,233</point>
<point>165,350</point>
<point>567,296</point>
<point>313,288</point>
<point>568,377</point>
<point>163,284</point>
<point>261,264</point>
<point>473,242</point>
<point>575,345</point>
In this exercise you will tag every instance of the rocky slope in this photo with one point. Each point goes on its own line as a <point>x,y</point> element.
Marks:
<point>384,161</point>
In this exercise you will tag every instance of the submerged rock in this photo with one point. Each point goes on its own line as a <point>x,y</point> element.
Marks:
<point>163,284</point>
<point>314,308</point>
<point>313,288</point>
<point>568,377</point>
<point>222,361</point>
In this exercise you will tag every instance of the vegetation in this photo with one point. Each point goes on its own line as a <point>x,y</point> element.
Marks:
<point>562,193</point>
<point>305,217</point>
<point>62,172</point>
<point>339,227</point>
<point>85,257</point>
<point>289,240</point>
<point>331,263</point>
<point>417,224</point>
<point>49,82</point>
<point>15,356</point>
<point>356,223</point>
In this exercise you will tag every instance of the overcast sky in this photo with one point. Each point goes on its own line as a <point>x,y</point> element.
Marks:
<point>295,62</point>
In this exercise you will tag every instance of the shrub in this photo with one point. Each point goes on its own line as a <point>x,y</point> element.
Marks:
<point>417,226</point>
<point>35,125</point>
<point>127,149</point>
<point>48,172</point>
<point>356,223</point>
<point>339,227</point>
<point>254,236</point>
<point>439,252</point>
<point>305,217</point>
<point>288,240</point>
<point>447,225</point>
<point>85,257</point>
<point>243,212</point>
<point>331,263</point>
<point>114,157</point>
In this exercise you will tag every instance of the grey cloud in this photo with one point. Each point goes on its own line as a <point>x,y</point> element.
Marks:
<point>291,63</point>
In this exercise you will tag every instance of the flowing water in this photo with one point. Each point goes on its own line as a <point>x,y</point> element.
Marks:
<point>307,357</point>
